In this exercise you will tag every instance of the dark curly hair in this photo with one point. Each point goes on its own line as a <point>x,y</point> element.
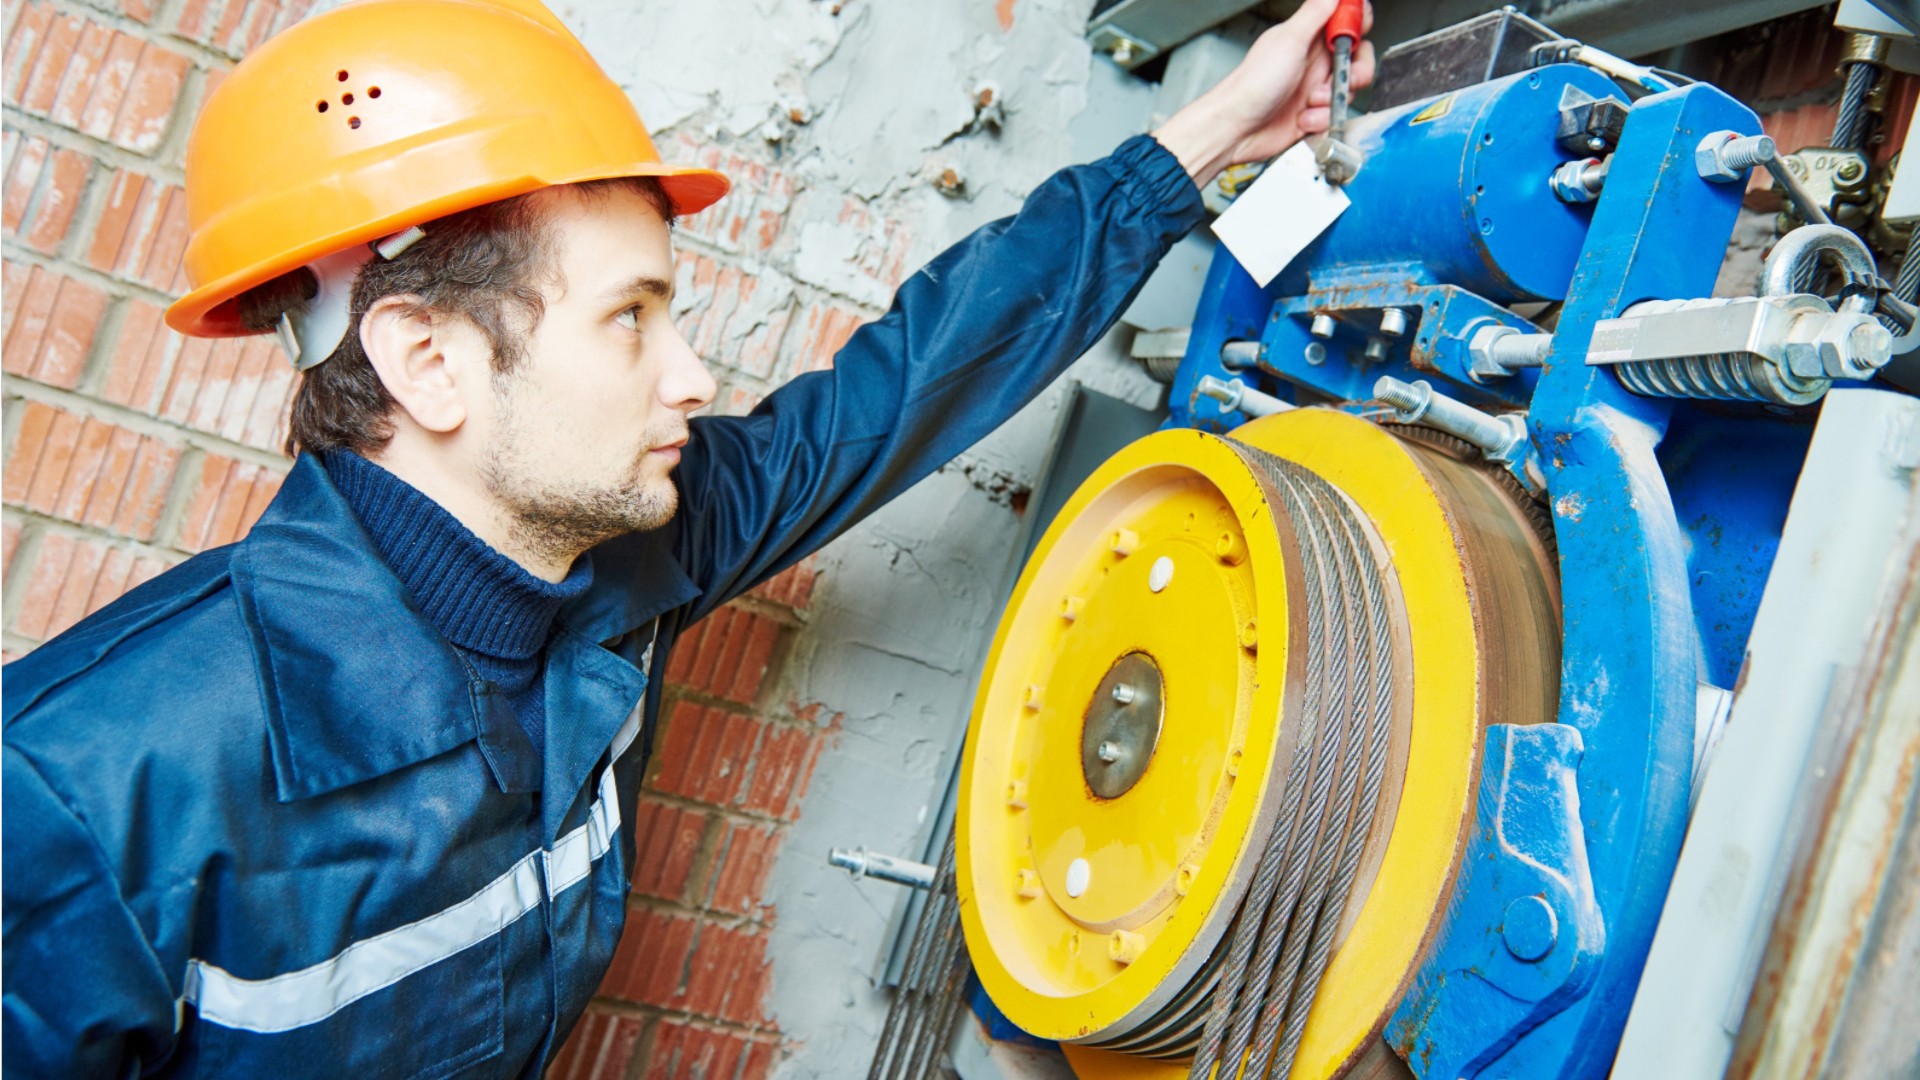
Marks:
<point>485,264</point>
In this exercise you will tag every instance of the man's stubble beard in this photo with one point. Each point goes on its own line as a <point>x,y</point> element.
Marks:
<point>560,520</point>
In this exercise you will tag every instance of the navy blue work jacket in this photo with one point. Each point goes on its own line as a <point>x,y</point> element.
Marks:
<point>262,820</point>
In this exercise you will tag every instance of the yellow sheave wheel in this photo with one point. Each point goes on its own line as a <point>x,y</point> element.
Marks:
<point>1142,698</point>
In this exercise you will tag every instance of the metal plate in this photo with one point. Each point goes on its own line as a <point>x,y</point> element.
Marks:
<point>1122,725</point>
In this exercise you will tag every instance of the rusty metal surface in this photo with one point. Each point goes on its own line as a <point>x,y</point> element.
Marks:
<point>1838,991</point>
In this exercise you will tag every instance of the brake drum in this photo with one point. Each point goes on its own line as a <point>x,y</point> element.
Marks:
<point>1178,645</point>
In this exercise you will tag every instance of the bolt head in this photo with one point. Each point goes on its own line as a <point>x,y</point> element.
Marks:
<point>1109,752</point>
<point>1123,694</point>
<point>1530,928</point>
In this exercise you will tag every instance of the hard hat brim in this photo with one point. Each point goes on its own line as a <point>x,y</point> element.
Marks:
<point>210,311</point>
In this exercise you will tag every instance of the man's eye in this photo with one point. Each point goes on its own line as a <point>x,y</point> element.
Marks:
<point>630,318</point>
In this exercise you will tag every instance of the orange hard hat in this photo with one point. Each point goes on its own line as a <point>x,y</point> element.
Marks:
<point>381,115</point>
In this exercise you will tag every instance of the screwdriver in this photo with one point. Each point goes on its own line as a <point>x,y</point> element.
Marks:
<point>1343,34</point>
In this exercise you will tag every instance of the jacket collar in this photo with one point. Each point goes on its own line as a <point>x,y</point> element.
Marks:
<point>357,683</point>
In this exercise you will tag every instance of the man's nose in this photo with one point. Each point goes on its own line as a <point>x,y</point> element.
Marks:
<point>685,385</point>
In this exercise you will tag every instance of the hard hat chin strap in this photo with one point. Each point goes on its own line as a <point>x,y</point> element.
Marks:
<point>313,334</point>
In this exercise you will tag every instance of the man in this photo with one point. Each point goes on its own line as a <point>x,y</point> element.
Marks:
<point>347,797</point>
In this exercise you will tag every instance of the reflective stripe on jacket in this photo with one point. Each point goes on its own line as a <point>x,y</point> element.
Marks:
<point>260,819</point>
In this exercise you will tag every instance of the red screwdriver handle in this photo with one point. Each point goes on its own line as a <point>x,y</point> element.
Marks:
<point>1346,22</point>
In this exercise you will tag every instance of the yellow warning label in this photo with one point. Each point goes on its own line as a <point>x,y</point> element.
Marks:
<point>1440,108</point>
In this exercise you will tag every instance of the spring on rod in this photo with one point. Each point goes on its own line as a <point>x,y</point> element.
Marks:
<point>1250,1001</point>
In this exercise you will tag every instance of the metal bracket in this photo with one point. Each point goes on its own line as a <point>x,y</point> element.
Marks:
<point>1524,929</point>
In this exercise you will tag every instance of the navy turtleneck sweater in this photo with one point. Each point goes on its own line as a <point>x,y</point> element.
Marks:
<point>489,607</point>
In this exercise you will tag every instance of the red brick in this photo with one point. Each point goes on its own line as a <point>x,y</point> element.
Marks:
<point>248,377</point>
<point>29,31</point>
<point>50,62</point>
<point>72,321</point>
<point>29,325</point>
<point>683,1051</point>
<point>110,86</point>
<point>140,10</point>
<point>667,842</point>
<point>599,1049</point>
<point>56,456</point>
<point>29,443</point>
<point>11,533</point>
<point>62,184</point>
<point>145,569</point>
<point>140,506</point>
<point>110,480</point>
<point>745,860</point>
<point>828,328</point>
<point>792,587</point>
<point>680,661</point>
<point>142,359</point>
<point>64,585</point>
<point>162,266</point>
<point>650,965</point>
<point>225,502</point>
<point>713,645</point>
<point>13,279</point>
<point>89,453</point>
<point>142,231</point>
<point>223,360</point>
<point>704,753</point>
<point>271,404</point>
<point>115,569</point>
<point>29,158</point>
<point>48,573</point>
<point>150,99</point>
<point>729,974</point>
<point>126,200</point>
<point>742,681</point>
<point>782,767</point>
<point>76,83</point>
<point>189,369</point>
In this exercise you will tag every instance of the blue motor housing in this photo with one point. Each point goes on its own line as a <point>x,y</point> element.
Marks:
<point>1455,190</point>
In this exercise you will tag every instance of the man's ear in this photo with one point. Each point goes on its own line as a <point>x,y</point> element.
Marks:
<point>415,354</point>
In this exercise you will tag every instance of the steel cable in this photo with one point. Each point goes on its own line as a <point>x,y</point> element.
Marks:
<point>1849,126</point>
<point>1282,936</point>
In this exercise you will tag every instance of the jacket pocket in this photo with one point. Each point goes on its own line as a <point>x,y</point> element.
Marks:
<point>433,1023</point>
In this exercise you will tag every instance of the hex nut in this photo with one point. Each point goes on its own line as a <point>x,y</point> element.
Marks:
<point>1852,346</point>
<point>1709,162</point>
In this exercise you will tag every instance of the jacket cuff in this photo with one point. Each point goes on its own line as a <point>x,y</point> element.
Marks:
<point>1153,180</point>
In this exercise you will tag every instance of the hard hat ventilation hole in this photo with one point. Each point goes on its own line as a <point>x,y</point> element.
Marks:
<point>341,75</point>
<point>353,122</point>
<point>320,106</point>
<point>346,99</point>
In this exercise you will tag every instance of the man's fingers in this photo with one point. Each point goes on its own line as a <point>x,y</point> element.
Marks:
<point>1310,22</point>
<point>1321,95</point>
<point>1315,119</point>
<point>1363,65</point>
<point>1366,26</point>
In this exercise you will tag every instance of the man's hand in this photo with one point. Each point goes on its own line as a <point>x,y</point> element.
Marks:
<point>1279,94</point>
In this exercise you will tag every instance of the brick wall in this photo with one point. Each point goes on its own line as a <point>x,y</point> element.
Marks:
<point>686,996</point>
<point>129,448</point>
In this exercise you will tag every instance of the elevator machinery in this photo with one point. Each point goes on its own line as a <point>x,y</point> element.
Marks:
<point>1347,724</point>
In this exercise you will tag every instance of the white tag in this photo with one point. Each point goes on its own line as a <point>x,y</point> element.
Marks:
<point>1282,212</point>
